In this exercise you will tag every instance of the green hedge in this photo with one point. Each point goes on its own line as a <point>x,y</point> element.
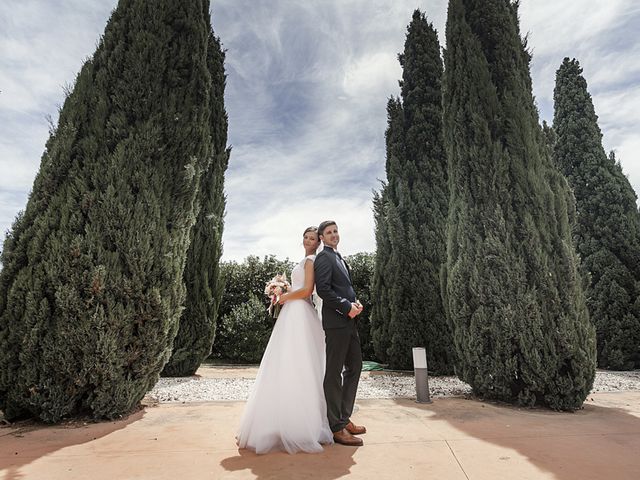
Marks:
<point>242,317</point>
<point>244,327</point>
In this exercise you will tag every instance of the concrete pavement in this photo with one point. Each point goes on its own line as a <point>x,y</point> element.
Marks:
<point>452,438</point>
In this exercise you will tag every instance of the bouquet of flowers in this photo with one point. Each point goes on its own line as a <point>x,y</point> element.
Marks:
<point>276,287</point>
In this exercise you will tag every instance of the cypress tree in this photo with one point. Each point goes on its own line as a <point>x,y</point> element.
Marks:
<point>202,271</point>
<point>514,294</point>
<point>91,290</point>
<point>361,266</point>
<point>417,209</point>
<point>550,138</point>
<point>607,235</point>
<point>383,271</point>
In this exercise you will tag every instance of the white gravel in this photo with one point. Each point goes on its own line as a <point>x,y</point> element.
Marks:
<point>376,385</point>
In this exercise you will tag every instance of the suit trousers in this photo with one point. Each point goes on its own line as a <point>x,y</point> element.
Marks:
<point>342,374</point>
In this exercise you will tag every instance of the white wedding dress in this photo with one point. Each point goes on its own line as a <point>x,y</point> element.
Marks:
<point>286,409</point>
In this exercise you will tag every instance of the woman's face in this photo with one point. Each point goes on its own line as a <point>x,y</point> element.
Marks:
<point>311,241</point>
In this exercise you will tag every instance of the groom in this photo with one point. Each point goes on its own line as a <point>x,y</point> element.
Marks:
<point>339,309</point>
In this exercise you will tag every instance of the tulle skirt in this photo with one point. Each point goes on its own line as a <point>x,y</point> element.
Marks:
<point>286,409</point>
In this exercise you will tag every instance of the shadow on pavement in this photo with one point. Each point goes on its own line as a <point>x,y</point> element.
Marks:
<point>596,442</point>
<point>25,442</point>
<point>335,462</point>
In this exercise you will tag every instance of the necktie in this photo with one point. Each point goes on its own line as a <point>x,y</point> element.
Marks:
<point>342,263</point>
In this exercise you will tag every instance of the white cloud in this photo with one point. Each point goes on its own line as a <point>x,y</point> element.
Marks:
<point>619,108</point>
<point>11,202</point>
<point>618,119</point>
<point>627,153</point>
<point>279,231</point>
<point>43,44</point>
<point>371,74</point>
<point>555,26</point>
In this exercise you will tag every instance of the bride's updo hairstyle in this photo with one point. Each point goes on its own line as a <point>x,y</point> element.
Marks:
<point>310,229</point>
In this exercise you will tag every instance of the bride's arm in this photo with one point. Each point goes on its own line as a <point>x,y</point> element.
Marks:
<point>307,288</point>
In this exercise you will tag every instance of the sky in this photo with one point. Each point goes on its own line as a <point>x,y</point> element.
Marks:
<point>307,87</point>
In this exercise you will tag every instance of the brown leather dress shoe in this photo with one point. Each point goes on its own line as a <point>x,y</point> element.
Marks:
<point>355,429</point>
<point>345,438</point>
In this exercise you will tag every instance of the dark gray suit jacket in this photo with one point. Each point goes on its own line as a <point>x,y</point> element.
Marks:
<point>334,287</point>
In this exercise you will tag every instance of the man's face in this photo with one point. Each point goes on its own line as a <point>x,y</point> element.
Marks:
<point>330,237</point>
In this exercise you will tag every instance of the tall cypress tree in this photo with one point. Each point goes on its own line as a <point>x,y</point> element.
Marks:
<point>514,295</point>
<point>202,271</point>
<point>417,209</point>
<point>384,270</point>
<point>92,286</point>
<point>608,228</point>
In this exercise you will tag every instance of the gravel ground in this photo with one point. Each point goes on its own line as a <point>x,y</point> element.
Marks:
<point>376,385</point>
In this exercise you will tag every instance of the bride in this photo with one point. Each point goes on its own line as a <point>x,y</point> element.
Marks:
<point>286,409</point>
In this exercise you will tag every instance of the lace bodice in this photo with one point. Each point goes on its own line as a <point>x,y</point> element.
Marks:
<point>297,274</point>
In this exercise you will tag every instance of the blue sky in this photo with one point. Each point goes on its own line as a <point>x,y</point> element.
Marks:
<point>307,87</point>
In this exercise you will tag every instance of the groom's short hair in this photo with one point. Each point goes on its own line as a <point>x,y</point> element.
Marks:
<point>325,224</point>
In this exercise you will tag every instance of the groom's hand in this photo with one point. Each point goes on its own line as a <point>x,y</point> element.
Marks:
<point>355,310</point>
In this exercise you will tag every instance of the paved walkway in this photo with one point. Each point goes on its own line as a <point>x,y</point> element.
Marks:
<point>452,438</point>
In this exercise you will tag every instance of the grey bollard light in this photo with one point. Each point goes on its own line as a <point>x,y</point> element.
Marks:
<point>421,374</point>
